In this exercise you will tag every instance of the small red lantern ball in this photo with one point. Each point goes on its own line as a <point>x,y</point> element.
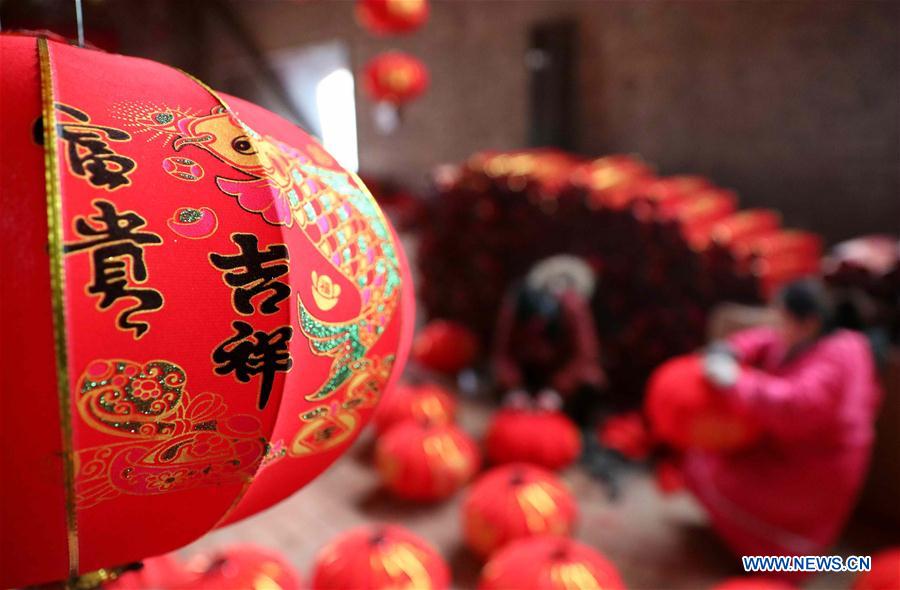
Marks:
<point>516,501</point>
<point>244,566</point>
<point>627,434</point>
<point>379,558</point>
<point>387,17</point>
<point>548,439</point>
<point>161,572</point>
<point>753,583</point>
<point>686,411</point>
<point>425,403</point>
<point>885,572</point>
<point>395,77</point>
<point>445,346</point>
<point>549,563</point>
<point>425,462</point>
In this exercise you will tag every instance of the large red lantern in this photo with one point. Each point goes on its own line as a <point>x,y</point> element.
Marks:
<point>379,558</point>
<point>395,77</point>
<point>686,411</point>
<point>545,438</point>
<point>389,17</point>
<point>516,501</point>
<point>425,462</point>
<point>885,572</point>
<point>424,403</point>
<point>200,309</point>
<point>549,563</point>
<point>444,346</point>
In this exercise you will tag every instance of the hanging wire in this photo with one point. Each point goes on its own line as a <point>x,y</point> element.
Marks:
<point>79,22</point>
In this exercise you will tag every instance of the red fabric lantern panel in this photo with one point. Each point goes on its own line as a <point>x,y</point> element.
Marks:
<point>548,439</point>
<point>425,462</point>
<point>424,403</point>
<point>395,77</point>
<point>753,583</point>
<point>379,558</point>
<point>686,411</point>
<point>390,17</point>
<point>627,434</point>
<point>214,319</point>
<point>516,501</point>
<point>445,347</point>
<point>549,563</point>
<point>885,572</point>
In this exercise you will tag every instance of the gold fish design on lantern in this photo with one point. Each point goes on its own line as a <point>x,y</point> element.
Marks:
<point>288,187</point>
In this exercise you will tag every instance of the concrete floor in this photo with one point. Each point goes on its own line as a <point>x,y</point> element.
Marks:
<point>658,542</point>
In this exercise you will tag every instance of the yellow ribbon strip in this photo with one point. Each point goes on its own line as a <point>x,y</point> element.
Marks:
<point>57,287</point>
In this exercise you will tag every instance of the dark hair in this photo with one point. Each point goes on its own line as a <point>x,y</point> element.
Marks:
<point>808,299</point>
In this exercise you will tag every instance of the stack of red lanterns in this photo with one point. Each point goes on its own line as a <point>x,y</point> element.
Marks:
<point>670,249</point>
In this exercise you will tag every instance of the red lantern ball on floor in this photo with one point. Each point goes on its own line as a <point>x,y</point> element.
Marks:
<point>544,438</point>
<point>423,403</point>
<point>186,339</point>
<point>424,462</point>
<point>446,347</point>
<point>388,17</point>
<point>379,558</point>
<point>885,572</point>
<point>156,573</point>
<point>753,583</point>
<point>395,77</point>
<point>515,501</point>
<point>242,566</point>
<point>627,434</point>
<point>549,563</point>
<point>686,411</point>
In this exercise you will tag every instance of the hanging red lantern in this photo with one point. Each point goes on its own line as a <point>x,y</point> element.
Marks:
<point>516,501</point>
<point>753,583</point>
<point>425,462</point>
<point>379,558</point>
<point>391,17</point>
<point>445,347</point>
<point>885,572</point>
<point>686,411</point>
<point>549,563</point>
<point>424,403</point>
<point>548,439</point>
<point>395,77</point>
<point>213,321</point>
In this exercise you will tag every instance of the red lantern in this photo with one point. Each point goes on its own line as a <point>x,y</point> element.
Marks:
<point>669,476</point>
<point>549,563</point>
<point>425,462</point>
<point>379,558</point>
<point>686,411</point>
<point>426,403</point>
<point>516,501</point>
<point>395,77</point>
<point>627,434</point>
<point>389,17</point>
<point>236,566</point>
<point>885,572</point>
<point>215,316</point>
<point>444,346</point>
<point>548,439</point>
<point>753,583</point>
<point>156,573</point>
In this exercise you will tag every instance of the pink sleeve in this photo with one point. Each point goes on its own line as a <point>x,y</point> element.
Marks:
<point>751,345</point>
<point>793,406</point>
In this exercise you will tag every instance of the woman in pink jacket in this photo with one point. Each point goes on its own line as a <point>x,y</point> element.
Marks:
<point>814,391</point>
